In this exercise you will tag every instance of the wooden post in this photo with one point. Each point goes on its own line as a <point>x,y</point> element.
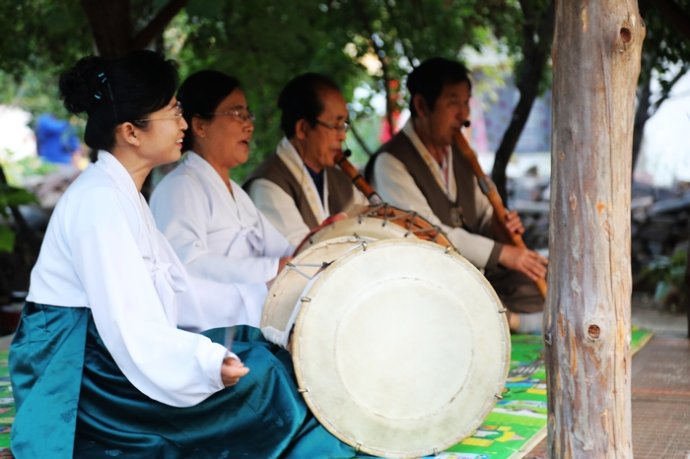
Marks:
<point>596,63</point>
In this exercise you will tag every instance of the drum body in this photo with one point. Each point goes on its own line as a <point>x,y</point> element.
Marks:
<point>400,346</point>
<point>379,222</point>
<point>283,300</point>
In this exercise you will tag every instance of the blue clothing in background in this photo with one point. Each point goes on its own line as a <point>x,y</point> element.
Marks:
<point>55,139</point>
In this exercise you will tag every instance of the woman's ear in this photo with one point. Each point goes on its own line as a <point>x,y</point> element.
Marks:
<point>129,133</point>
<point>198,127</point>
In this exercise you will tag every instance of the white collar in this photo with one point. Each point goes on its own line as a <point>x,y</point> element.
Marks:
<point>450,187</point>
<point>288,154</point>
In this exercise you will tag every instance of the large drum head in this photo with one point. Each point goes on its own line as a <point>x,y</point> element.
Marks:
<point>400,348</point>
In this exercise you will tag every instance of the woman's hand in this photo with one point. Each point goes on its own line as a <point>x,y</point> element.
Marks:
<point>232,370</point>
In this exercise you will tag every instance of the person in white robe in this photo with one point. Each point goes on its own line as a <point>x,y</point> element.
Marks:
<point>98,365</point>
<point>224,241</point>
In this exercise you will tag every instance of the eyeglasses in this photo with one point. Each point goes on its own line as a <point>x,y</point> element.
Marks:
<point>239,113</point>
<point>178,114</point>
<point>342,127</point>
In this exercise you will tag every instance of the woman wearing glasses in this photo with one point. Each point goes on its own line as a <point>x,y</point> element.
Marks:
<point>98,365</point>
<point>299,187</point>
<point>228,246</point>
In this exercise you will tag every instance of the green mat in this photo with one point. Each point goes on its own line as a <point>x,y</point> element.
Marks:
<point>515,425</point>
<point>518,422</point>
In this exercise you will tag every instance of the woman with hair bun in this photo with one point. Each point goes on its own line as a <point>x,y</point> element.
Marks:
<point>98,365</point>
<point>226,244</point>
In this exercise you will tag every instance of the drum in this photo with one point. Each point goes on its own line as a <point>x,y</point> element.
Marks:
<point>379,222</point>
<point>400,346</point>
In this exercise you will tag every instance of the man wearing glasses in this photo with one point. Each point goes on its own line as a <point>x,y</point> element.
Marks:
<point>298,187</point>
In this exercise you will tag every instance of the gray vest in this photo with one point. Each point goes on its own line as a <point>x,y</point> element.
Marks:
<point>340,192</point>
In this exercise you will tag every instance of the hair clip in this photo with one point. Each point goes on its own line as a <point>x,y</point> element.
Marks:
<point>97,95</point>
<point>101,77</point>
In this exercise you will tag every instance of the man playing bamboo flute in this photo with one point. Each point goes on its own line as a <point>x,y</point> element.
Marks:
<point>420,169</point>
<point>299,187</point>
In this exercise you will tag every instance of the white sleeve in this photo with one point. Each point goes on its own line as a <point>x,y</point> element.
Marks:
<point>275,244</point>
<point>397,187</point>
<point>280,209</point>
<point>169,365</point>
<point>359,199</point>
<point>182,212</point>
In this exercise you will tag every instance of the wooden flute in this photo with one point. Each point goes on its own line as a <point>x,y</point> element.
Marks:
<point>357,179</point>
<point>488,187</point>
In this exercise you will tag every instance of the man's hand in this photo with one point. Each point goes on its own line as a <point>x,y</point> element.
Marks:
<point>513,223</point>
<point>525,261</point>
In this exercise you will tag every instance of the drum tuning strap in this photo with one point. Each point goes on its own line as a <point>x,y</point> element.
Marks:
<point>320,267</point>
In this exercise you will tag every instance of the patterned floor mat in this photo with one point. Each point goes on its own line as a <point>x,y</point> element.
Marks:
<point>515,425</point>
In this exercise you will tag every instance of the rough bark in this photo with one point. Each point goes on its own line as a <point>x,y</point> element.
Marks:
<point>596,57</point>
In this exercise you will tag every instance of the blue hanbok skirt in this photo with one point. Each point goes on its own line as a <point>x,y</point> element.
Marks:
<point>73,401</point>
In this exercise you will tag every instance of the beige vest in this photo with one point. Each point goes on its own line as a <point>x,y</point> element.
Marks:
<point>340,193</point>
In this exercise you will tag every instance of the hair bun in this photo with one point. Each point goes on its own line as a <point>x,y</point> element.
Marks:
<point>81,86</point>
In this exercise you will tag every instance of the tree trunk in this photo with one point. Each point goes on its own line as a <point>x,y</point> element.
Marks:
<point>597,51</point>
<point>537,38</point>
<point>641,116</point>
<point>110,25</point>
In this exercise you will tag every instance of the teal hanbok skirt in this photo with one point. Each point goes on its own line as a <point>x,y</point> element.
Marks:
<point>73,401</point>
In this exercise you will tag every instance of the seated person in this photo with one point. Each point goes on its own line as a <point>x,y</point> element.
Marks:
<point>299,187</point>
<point>226,244</point>
<point>98,365</point>
<point>421,170</point>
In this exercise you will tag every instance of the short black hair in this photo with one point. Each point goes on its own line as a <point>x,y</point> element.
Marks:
<point>301,99</point>
<point>429,78</point>
<point>113,91</point>
<point>200,94</point>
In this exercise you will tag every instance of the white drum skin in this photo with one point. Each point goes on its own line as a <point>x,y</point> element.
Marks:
<point>400,347</point>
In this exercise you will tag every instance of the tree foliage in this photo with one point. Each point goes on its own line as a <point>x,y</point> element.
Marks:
<point>369,43</point>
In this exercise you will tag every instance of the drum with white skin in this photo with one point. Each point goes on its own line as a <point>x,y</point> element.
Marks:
<point>400,346</point>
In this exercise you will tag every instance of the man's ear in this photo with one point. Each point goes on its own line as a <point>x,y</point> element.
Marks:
<point>301,128</point>
<point>420,105</point>
<point>129,133</point>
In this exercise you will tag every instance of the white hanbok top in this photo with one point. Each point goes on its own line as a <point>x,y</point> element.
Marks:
<point>102,251</point>
<point>227,245</point>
